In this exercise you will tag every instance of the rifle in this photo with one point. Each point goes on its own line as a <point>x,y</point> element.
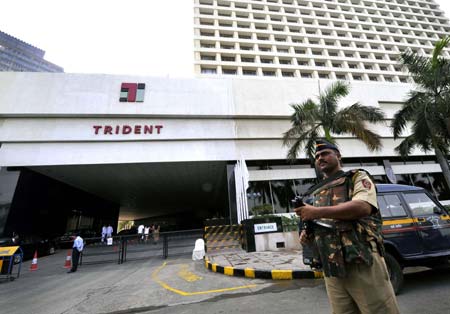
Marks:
<point>310,253</point>
<point>308,226</point>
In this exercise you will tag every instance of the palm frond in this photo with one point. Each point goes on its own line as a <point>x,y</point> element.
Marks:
<point>306,111</point>
<point>293,151</point>
<point>310,146</point>
<point>303,119</point>
<point>366,113</point>
<point>351,123</point>
<point>415,63</point>
<point>406,146</point>
<point>353,119</point>
<point>329,99</point>
<point>438,48</point>
<point>416,100</point>
<point>423,134</point>
<point>298,143</point>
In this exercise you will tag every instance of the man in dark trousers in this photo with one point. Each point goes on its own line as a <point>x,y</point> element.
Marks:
<point>347,235</point>
<point>76,251</point>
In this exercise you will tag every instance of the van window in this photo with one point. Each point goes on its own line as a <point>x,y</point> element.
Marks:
<point>421,204</point>
<point>390,206</point>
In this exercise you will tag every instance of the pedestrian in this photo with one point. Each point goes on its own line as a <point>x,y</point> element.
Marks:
<point>141,232</point>
<point>146,232</point>
<point>104,229</point>
<point>77,248</point>
<point>347,236</point>
<point>155,233</point>
<point>109,231</point>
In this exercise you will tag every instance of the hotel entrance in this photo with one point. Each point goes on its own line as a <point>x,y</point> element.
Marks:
<point>176,195</point>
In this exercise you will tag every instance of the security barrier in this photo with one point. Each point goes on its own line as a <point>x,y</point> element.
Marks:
<point>222,238</point>
<point>132,247</point>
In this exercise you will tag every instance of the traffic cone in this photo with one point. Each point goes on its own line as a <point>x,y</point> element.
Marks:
<point>33,265</point>
<point>68,263</point>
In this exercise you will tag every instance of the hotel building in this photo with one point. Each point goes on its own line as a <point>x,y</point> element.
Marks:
<point>164,149</point>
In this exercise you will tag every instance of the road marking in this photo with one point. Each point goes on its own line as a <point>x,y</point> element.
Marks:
<point>187,275</point>
<point>184,293</point>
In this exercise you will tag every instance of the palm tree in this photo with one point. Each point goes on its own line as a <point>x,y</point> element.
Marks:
<point>427,109</point>
<point>314,120</point>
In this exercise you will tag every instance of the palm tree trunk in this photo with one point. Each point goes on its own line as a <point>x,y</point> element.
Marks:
<point>443,162</point>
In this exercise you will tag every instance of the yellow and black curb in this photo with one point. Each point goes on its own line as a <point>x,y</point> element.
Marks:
<point>275,274</point>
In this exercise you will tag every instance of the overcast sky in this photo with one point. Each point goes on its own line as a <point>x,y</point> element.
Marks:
<point>136,37</point>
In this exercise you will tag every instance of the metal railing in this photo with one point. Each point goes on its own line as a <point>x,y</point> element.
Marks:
<point>134,247</point>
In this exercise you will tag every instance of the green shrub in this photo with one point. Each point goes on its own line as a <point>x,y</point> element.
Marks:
<point>264,209</point>
<point>290,223</point>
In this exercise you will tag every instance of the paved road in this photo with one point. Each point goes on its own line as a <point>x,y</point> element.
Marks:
<point>180,285</point>
<point>425,292</point>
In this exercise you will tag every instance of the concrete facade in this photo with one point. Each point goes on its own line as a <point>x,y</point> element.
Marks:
<point>58,119</point>
<point>178,141</point>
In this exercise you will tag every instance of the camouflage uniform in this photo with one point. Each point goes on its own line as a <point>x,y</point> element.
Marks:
<point>351,252</point>
<point>347,241</point>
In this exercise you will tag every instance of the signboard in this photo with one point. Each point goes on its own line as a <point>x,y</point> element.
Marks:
<point>267,227</point>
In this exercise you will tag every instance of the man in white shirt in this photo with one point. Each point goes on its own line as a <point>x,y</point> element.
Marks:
<point>109,231</point>
<point>103,233</point>
<point>77,248</point>
<point>141,232</point>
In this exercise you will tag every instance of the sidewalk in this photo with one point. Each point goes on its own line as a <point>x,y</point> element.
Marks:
<point>264,265</point>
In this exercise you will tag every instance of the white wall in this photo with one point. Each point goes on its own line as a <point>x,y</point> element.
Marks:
<point>48,119</point>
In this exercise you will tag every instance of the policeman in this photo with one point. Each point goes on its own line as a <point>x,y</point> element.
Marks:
<point>347,235</point>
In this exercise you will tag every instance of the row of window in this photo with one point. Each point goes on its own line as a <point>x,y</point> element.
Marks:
<point>415,5</point>
<point>377,4</point>
<point>386,10</point>
<point>388,54</point>
<point>419,30</point>
<point>303,62</point>
<point>367,41</point>
<point>303,74</point>
<point>390,18</point>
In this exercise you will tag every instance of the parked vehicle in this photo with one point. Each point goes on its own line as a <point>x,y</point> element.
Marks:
<point>30,244</point>
<point>416,230</point>
<point>66,240</point>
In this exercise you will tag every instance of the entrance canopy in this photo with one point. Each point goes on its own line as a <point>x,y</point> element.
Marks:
<point>151,189</point>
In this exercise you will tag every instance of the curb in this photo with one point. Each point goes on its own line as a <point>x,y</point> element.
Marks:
<point>275,274</point>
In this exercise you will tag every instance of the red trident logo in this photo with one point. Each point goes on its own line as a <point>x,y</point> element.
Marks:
<point>132,92</point>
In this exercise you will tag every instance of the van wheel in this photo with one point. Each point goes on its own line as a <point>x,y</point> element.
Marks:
<point>395,272</point>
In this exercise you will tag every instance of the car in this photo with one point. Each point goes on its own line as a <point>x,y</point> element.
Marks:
<point>66,240</point>
<point>31,244</point>
<point>416,230</point>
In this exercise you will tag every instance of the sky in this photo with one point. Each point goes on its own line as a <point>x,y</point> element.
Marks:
<point>133,37</point>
